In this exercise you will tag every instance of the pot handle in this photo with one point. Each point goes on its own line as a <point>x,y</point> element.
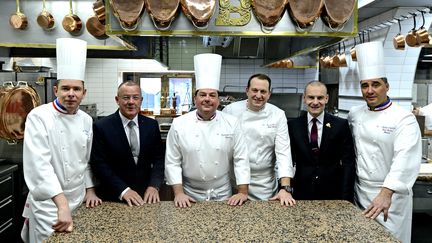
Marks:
<point>8,83</point>
<point>22,83</point>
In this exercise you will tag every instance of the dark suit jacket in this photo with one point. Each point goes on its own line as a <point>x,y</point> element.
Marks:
<point>331,174</point>
<point>112,161</point>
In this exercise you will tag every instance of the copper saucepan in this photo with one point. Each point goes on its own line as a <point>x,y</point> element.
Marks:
<point>71,22</point>
<point>422,34</point>
<point>96,28</point>
<point>411,39</point>
<point>45,18</point>
<point>15,104</point>
<point>399,39</point>
<point>99,9</point>
<point>18,20</point>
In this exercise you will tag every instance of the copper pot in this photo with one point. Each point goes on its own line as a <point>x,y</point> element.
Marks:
<point>342,60</point>
<point>422,36</point>
<point>18,20</point>
<point>411,39</point>
<point>96,28</point>
<point>334,61</point>
<point>399,42</point>
<point>45,19</point>
<point>71,22</point>
<point>353,54</point>
<point>15,104</point>
<point>99,9</point>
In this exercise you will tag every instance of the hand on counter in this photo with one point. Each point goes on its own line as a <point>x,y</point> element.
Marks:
<point>91,199</point>
<point>151,195</point>
<point>381,203</point>
<point>64,216</point>
<point>237,199</point>
<point>133,198</point>
<point>284,197</point>
<point>180,198</point>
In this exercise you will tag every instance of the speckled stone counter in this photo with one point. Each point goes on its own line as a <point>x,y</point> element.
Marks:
<point>308,221</point>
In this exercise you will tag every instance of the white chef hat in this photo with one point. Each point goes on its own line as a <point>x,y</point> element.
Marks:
<point>370,59</point>
<point>207,70</point>
<point>71,58</point>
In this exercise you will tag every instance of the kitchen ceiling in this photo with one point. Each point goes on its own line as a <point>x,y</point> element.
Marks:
<point>368,8</point>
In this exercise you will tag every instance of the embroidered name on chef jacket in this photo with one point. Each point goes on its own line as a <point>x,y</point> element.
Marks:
<point>227,135</point>
<point>388,130</point>
<point>272,125</point>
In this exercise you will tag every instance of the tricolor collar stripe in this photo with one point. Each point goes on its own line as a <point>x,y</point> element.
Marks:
<point>383,106</point>
<point>59,107</point>
<point>202,119</point>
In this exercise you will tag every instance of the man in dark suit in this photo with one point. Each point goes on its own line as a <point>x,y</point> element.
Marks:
<point>322,153</point>
<point>127,154</point>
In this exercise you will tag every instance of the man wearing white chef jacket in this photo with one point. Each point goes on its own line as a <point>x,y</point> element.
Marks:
<point>57,143</point>
<point>266,133</point>
<point>204,145</point>
<point>387,139</point>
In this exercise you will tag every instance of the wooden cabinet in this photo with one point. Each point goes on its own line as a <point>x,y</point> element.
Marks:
<point>8,217</point>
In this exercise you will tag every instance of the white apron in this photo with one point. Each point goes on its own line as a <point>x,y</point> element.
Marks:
<point>55,159</point>
<point>388,151</point>
<point>266,135</point>
<point>200,155</point>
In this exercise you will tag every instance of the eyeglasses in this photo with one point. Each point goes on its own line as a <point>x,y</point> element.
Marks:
<point>127,98</point>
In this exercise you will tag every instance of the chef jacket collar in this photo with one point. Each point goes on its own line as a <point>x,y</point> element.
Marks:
<point>200,118</point>
<point>247,107</point>
<point>126,121</point>
<point>320,118</point>
<point>383,106</point>
<point>60,108</point>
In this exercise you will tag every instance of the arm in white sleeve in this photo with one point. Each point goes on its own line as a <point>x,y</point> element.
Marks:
<point>241,158</point>
<point>407,156</point>
<point>39,173</point>
<point>173,157</point>
<point>284,164</point>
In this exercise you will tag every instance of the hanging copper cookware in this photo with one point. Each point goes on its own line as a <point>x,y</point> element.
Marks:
<point>422,34</point>
<point>199,11</point>
<point>15,104</point>
<point>342,56</point>
<point>96,28</point>
<point>45,18</point>
<point>268,12</point>
<point>337,12</point>
<point>128,12</point>
<point>71,22</point>
<point>162,12</point>
<point>399,39</point>
<point>18,20</point>
<point>304,13</point>
<point>99,9</point>
<point>411,39</point>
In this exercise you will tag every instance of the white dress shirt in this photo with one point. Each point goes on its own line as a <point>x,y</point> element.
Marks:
<point>319,123</point>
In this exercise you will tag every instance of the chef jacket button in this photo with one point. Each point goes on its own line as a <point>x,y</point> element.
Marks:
<point>79,160</point>
<point>196,135</point>
<point>216,162</point>
<point>316,177</point>
<point>374,140</point>
<point>68,179</point>
<point>215,177</point>
<point>203,177</point>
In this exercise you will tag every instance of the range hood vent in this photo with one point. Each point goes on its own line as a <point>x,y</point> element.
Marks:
<point>243,47</point>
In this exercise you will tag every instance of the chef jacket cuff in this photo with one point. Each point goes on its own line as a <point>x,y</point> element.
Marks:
<point>45,193</point>
<point>396,185</point>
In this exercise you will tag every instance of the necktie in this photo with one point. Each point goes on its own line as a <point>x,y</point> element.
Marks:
<point>133,139</point>
<point>314,136</point>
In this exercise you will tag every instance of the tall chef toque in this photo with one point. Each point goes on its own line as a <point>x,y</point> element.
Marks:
<point>370,58</point>
<point>71,58</point>
<point>207,70</point>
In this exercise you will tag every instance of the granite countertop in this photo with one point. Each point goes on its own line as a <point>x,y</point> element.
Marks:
<point>425,173</point>
<point>311,221</point>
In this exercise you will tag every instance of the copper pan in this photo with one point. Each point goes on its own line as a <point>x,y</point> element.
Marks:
<point>162,12</point>
<point>268,12</point>
<point>336,13</point>
<point>422,34</point>
<point>304,13</point>
<point>99,9</point>
<point>18,20</point>
<point>411,39</point>
<point>45,18</point>
<point>342,60</point>
<point>334,61</point>
<point>15,105</point>
<point>199,12</point>
<point>399,39</point>
<point>71,22</point>
<point>128,12</point>
<point>96,28</point>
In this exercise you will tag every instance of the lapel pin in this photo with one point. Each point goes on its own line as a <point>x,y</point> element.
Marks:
<point>328,125</point>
